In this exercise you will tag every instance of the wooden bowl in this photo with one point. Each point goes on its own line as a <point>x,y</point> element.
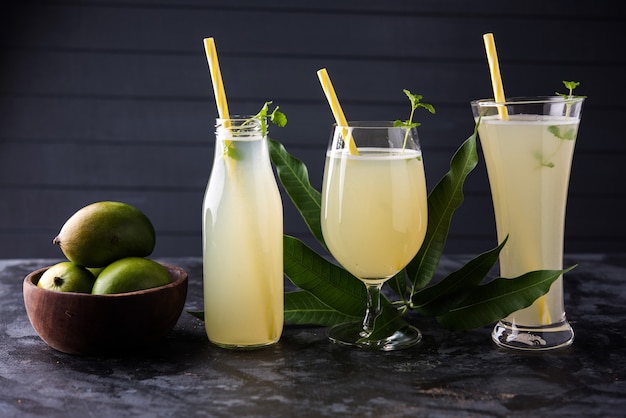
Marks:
<point>81,323</point>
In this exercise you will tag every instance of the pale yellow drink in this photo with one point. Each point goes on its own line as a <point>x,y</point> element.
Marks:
<point>374,210</point>
<point>243,247</point>
<point>529,168</point>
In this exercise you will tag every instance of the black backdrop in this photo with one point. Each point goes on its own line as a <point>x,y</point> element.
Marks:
<point>112,100</point>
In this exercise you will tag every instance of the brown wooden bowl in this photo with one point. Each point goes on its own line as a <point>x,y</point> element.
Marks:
<point>81,323</point>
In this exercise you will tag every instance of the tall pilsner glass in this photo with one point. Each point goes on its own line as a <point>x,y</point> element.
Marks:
<point>374,216</point>
<point>528,144</point>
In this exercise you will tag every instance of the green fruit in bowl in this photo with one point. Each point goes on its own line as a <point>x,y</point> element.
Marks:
<point>95,270</point>
<point>103,232</point>
<point>130,274</point>
<point>67,277</point>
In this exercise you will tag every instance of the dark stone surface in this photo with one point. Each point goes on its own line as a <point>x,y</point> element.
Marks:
<point>450,374</point>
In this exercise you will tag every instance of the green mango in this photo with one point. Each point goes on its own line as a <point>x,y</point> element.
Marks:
<point>103,232</point>
<point>129,275</point>
<point>67,277</point>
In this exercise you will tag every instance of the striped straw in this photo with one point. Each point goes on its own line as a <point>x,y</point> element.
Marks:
<point>498,92</point>
<point>335,107</point>
<point>496,78</point>
<point>216,78</point>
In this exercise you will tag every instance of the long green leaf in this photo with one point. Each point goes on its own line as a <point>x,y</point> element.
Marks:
<point>327,281</point>
<point>387,322</point>
<point>439,298</point>
<point>398,284</point>
<point>498,298</point>
<point>294,176</point>
<point>302,307</point>
<point>197,314</point>
<point>443,200</point>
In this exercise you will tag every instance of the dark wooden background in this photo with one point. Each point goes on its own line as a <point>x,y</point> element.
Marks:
<point>112,100</point>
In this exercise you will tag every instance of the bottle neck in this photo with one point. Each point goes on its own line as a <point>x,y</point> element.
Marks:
<point>241,140</point>
<point>240,128</point>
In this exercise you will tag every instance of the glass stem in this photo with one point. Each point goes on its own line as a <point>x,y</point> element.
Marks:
<point>373,306</point>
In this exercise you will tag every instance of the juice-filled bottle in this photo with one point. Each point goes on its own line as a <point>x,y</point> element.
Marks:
<point>242,234</point>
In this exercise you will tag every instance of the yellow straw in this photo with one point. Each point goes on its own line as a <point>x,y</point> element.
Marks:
<point>218,84</point>
<point>335,107</point>
<point>498,92</point>
<point>544,312</point>
<point>496,78</point>
<point>216,77</point>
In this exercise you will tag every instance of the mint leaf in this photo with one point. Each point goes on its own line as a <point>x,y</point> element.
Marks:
<point>567,133</point>
<point>231,151</point>
<point>406,124</point>
<point>278,118</point>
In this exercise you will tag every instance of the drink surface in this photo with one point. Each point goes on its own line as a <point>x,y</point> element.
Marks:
<point>528,160</point>
<point>242,248</point>
<point>374,210</point>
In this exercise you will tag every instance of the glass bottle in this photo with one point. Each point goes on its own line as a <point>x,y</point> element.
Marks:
<point>242,233</point>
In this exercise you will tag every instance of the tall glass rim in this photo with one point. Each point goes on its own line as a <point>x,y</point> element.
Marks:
<point>523,100</point>
<point>368,124</point>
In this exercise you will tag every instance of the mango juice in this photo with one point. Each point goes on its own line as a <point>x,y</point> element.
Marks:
<point>528,160</point>
<point>374,210</point>
<point>243,246</point>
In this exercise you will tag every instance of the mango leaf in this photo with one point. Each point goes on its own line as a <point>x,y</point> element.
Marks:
<point>443,200</point>
<point>294,176</point>
<point>325,280</point>
<point>439,298</point>
<point>302,307</point>
<point>332,295</point>
<point>398,283</point>
<point>197,314</point>
<point>386,323</point>
<point>490,302</point>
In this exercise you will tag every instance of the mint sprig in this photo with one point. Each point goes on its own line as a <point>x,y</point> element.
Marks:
<point>416,102</point>
<point>276,117</point>
<point>562,132</point>
<point>570,85</point>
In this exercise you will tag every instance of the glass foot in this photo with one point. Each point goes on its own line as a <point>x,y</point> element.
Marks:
<point>534,338</point>
<point>352,335</point>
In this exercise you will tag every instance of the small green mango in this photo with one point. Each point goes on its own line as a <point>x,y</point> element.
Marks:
<point>103,232</point>
<point>67,277</point>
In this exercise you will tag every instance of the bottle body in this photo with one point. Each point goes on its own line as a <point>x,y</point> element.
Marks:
<point>242,241</point>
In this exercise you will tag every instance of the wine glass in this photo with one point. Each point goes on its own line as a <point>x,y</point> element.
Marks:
<point>373,216</point>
